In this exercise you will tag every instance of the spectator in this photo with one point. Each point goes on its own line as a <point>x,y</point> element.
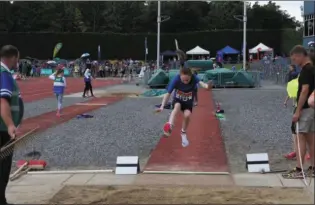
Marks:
<point>304,115</point>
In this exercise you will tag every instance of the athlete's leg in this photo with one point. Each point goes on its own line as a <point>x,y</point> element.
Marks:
<point>175,111</point>
<point>187,114</point>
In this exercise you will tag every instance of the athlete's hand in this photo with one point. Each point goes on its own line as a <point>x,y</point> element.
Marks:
<point>160,109</point>
<point>210,85</point>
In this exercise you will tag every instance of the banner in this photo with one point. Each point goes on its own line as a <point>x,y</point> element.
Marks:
<point>57,49</point>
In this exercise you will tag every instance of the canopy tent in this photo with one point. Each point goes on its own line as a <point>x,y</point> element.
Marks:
<point>260,48</point>
<point>198,51</point>
<point>228,50</point>
<point>168,53</point>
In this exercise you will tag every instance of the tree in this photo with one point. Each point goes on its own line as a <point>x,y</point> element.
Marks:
<point>135,17</point>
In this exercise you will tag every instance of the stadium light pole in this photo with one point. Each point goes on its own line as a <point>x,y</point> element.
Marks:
<point>244,34</point>
<point>158,35</point>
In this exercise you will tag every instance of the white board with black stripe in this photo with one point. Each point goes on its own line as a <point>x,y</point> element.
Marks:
<point>257,162</point>
<point>127,165</point>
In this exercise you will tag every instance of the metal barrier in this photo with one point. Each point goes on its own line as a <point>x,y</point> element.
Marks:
<point>255,76</point>
<point>273,70</point>
<point>226,80</point>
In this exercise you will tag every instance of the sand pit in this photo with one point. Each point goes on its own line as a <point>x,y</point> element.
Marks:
<point>178,195</point>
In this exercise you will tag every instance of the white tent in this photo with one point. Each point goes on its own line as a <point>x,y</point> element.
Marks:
<point>260,48</point>
<point>198,51</point>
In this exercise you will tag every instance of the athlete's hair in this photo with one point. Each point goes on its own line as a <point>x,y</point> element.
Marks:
<point>185,71</point>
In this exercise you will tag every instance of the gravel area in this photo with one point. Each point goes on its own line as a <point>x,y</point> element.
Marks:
<point>128,127</point>
<point>256,122</point>
<point>39,107</point>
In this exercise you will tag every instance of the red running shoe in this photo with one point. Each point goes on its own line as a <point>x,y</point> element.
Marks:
<point>291,155</point>
<point>167,128</point>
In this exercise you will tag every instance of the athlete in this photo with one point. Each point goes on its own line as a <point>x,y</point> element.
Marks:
<point>184,85</point>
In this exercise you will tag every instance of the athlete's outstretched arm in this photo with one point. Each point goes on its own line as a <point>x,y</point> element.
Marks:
<point>170,89</point>
<point>205,85</point>
<point>165,99</point>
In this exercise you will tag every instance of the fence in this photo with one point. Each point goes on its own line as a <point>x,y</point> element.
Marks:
<point>273,70</point>
<point>222,80</point>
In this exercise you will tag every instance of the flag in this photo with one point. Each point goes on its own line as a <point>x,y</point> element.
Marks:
<point>99,52</point>
<point>146,46</point>
<point>57,49</point>
<point>176,44</point>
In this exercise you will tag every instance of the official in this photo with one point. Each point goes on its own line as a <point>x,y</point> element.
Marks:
<point>11,111</point>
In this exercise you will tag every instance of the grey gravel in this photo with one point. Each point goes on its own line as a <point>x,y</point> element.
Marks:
<point>39,107</point>
<point>128,127</point>
<point>256,122</point>
<point>32,109</point>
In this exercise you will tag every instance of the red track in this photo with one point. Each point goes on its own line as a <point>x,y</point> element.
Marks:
<point>206,152</point>
<point>39,88</point>
<point>48,120</point>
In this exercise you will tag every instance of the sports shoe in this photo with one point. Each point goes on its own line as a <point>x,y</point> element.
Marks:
<point>291,155</point>
<point>310,172</point>
<point>167,128</point>
<point>293,174</point>
<point>58,114</point>
<point>185,141</point>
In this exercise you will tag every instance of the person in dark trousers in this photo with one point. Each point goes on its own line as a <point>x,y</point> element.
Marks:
<point>88,84</point>
<point>12,110</point>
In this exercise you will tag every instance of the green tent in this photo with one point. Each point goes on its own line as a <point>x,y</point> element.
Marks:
<point>200,65</point>
<point>159,78</point>
<point>223,77</point>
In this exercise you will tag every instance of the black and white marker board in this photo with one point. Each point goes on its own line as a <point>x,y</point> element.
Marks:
<point>257,162</point>
<point>127,165</point>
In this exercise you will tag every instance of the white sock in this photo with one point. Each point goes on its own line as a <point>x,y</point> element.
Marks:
<point>185,141</point>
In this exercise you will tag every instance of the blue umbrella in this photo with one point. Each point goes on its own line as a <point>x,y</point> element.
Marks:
<point>85,55</point>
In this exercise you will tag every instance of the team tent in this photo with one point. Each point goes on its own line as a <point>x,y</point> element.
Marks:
<point>197,51</point>
<point>260,48</point>
<point>227,50</point>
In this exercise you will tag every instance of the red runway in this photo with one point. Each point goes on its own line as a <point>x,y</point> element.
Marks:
<point>206,152</point>
<point>48,120</point>
<point>39,88</point>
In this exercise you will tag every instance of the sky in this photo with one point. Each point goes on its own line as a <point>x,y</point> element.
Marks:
<point>292,7</point>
